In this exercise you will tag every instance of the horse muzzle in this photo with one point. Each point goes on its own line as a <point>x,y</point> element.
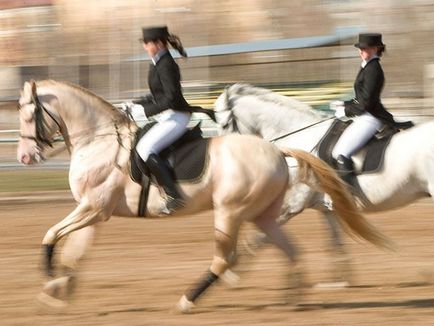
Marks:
<point>29,158</point>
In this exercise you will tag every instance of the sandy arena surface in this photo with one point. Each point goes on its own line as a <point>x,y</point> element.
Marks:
<point>138,269</point>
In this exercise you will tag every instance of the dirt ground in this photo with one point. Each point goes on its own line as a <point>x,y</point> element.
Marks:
<point>138,269</point>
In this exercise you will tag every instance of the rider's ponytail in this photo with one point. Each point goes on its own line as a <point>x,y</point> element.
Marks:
<point>381,50</point>
<point>175,42</point>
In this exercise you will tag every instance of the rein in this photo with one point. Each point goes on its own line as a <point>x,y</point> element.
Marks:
<point>234,119</point>
<point>301,129</point>
<point>41,137</point>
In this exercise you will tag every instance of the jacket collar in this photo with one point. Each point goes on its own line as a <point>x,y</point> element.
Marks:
<point>364,62</point>
<point>158,56</point>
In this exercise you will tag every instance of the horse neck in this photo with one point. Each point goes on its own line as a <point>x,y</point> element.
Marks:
<point>306,139</point>
<point>272,120</point>
<point>81,115</point>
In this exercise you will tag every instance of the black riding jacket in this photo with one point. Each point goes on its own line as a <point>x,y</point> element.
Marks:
<point>368,86</point>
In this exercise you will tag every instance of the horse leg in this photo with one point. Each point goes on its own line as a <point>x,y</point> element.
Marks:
<point>83,215</point>
<point>268,224</point>
<point>341,260</point>
<point>224,253</point>
<point>56,291</point>
<point>431,189</point>
<point>296,199</point>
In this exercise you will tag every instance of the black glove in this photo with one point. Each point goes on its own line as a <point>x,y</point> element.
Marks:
<point>350,114</point>
<point>352,109</point>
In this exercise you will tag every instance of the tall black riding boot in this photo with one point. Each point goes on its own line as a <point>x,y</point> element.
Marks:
<point>164,178</point>
<point>345,168</point>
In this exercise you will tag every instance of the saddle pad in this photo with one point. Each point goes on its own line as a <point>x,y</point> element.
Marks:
<point>375,150</point>
<point>188,161</point>
<point>329,140</point>
<point>187,157</point>
<point>372,153</point>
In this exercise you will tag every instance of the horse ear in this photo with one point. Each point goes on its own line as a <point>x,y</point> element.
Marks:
<point>33,88</point>
<point>27,88</point>
<point>26,93</point>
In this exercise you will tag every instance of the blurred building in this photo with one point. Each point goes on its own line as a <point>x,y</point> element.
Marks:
<point>90,42</point>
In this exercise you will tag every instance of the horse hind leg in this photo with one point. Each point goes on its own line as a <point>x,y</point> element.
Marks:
<point>294,202</point>
<point>267,223</point>
<point>224,256</point>
<point>342,271</point>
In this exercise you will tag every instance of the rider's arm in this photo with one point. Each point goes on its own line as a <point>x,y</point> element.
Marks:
<point>352,108</point>
<point>172,95</point>
<point>144,100</point>
<point>368,91</point>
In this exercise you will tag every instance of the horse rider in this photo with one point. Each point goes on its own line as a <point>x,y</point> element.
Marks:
<point>166,99</point>
<point>371,116</point>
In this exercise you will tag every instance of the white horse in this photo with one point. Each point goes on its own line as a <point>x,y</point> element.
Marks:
<point>408,172</point>
<point>245,180</point>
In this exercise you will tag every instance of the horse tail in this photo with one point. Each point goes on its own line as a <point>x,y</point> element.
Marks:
<point>344,203</point>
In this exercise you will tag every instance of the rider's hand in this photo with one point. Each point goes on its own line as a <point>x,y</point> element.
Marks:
<point>338,107</point>
<point>340,112</point>
<point>136,111</point>
<point>126,106</point>
<point>143,100</point>
<point>334,105</point>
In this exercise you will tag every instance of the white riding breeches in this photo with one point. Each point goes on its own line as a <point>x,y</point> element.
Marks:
<point>357,135</point>
<point>171,125</point>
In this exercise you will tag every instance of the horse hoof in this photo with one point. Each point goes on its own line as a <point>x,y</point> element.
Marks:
<point>231,279</point>
<point>184,305</point>
<point>60,288</point>
<point>51,302</point>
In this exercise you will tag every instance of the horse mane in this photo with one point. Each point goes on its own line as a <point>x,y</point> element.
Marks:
<point>239,90</point>
<point>87,94</point>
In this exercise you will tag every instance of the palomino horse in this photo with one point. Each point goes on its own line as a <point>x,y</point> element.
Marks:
<point>408,172</point>
<point>239,184</point>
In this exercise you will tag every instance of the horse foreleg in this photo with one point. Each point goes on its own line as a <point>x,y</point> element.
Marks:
<point>56,291</point>
<point>76,246</point>
<point>82,216</point>
<point>225,244</point>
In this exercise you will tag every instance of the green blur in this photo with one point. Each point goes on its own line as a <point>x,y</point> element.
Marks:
<point>33,180</point>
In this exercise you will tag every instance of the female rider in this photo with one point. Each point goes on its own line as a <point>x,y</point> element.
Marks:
<point>370,113</point>
<point>166,97</point>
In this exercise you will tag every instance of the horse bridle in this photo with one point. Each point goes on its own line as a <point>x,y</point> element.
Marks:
<point>40,136</point>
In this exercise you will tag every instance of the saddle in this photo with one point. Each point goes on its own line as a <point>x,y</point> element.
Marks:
<point>370,159</point>
<point>187,158</point>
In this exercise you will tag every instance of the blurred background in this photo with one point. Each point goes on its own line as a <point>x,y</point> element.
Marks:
<point>301,48</point>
